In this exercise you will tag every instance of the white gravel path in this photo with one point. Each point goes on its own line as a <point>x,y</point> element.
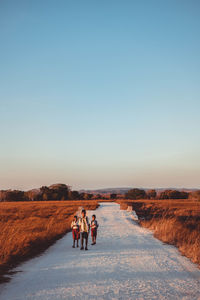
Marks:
<point>127,263</point>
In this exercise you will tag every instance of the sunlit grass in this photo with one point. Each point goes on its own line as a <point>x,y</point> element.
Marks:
<point>176,222</point>
<point>27,228</point>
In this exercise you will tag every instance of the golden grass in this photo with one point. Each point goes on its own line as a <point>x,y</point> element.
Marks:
<point>176,222</point>
<point>27,228</point>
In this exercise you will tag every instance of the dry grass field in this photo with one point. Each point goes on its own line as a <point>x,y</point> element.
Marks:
<point>176,222</point>
<point>27,228</point>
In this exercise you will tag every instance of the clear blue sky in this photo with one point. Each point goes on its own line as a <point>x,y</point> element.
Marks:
<point>100,93</point>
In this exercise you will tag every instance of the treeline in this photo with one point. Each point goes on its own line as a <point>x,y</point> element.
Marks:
<point>60,192</point>
<point>45,193</point>
<point>167,194</point>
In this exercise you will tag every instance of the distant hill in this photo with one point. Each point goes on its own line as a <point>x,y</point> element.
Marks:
<point>126,189</point>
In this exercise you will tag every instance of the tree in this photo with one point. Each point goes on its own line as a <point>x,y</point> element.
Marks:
<point>113,196</point>
<point>151,194</point>
<point>45,193</point>
<point>90,196</point>
<point>136,194</point>
<point>87,196</point>
<point>13,196</point>
<point>74,195</point>
<point>33,195</point>
<point>173,194</point>
<point>195,195</point>
<point>82,196</point>
<point>55,192</point>
<point>59,191</point>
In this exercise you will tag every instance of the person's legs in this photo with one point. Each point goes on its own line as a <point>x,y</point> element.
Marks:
<point>84,236</point>
<point>93,234</point>
<point>95,237</point>
<point>77,238</point>
<point>92,238</point>
<point>86,241</point>
<point>73,236</point>
<point>82,233</point>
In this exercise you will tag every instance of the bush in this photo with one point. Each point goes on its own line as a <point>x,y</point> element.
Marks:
<point>151,194</point>
<point>135,194</point>
<point>195,195</point>
<point>12,195</point>
<point>173,194</point>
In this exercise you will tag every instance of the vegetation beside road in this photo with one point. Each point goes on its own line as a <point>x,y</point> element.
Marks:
<point>30,221</point>
<point>28,228</point>
<point>176,222</point>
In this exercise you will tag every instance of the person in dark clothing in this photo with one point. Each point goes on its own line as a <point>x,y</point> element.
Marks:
<point>94,225</point>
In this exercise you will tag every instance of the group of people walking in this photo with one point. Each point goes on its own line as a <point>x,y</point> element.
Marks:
<point>81,228</point>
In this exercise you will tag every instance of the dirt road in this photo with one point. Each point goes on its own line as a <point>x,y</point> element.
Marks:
<point>127,263</point>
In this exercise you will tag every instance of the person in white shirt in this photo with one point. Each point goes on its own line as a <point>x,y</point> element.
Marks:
<point>84,228</point>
